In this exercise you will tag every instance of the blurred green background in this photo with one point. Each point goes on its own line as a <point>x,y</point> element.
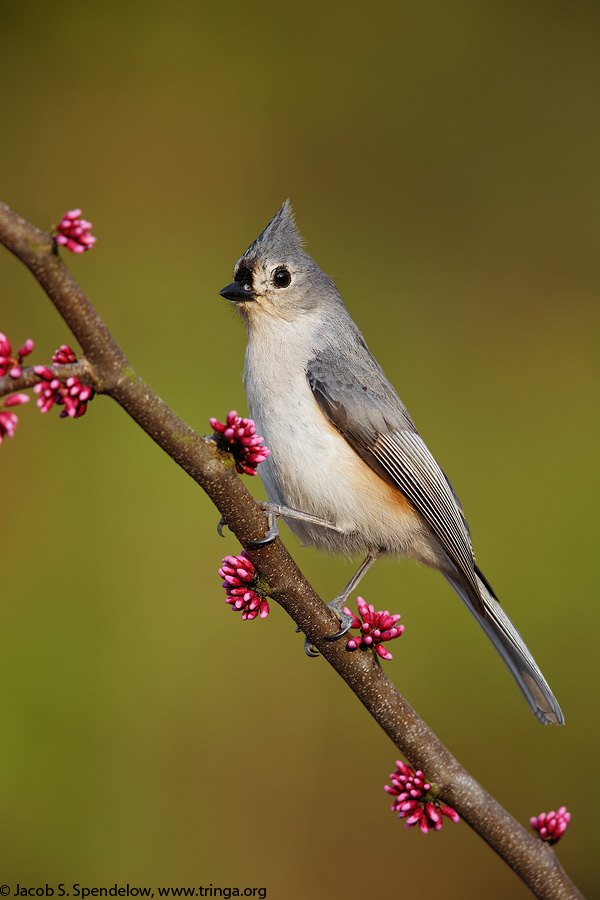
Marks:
<point>443,164</point>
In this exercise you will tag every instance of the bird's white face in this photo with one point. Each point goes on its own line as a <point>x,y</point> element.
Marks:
<point>275,280</point>
<point>274,288</point>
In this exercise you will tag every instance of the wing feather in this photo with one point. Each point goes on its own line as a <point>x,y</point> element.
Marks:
<point>363,406</point>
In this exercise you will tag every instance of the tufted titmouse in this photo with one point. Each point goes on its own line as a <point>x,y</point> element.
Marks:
<point>344,449</point>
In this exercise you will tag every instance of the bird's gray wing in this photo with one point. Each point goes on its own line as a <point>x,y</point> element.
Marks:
<point>362,405</point>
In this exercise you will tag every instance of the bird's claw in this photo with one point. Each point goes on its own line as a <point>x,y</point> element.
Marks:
<point>344,618</point>
<point>268,538</point>
<point>271,535</point>
<point>273,511</point>
<point>310,649</point>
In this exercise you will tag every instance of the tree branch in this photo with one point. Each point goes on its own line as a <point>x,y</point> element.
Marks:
<point>29,379</point>
<point>106,368</point>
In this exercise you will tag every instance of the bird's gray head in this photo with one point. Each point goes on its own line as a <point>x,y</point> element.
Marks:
<point>275,277</point>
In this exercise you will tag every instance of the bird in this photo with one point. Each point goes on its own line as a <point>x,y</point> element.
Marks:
<point>348,469</point>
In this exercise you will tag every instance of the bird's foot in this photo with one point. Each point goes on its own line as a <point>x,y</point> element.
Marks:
<point>273,530</point>
<point>273,511</point>
<point>345,618</point>
<point>346,622</point>
<point>272,533</point>
<point>310,649</point>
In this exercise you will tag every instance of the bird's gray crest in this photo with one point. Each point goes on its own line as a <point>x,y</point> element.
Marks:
<point>280,237</point>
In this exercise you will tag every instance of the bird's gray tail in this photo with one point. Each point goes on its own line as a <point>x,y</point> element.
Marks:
<point>511,647</point>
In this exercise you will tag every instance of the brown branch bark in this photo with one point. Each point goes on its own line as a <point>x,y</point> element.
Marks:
<point>106,368</point>
<point>29,379</point>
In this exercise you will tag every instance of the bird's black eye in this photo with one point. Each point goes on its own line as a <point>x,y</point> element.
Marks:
<point>281,277</point>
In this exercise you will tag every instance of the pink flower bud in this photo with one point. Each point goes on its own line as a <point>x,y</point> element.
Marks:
<point>242,440</point>
<point>8,425</point>
<point>451,813</point>
<point>71,393</point>
<point>550,826</point>
<point>73,232</point>
<point>64,355</point>
<point>415,799</point>
<point>16,399</point>
<point>374,629</point>
<point>242,590</point>
<point>12,364</point>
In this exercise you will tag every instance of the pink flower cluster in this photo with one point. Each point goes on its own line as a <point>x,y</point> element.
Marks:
<point>64,356</point>
<point>9,420</point>
<point>10,364</point>
<point>73,232</point>
<point>71,393</point>
<point>414,799</point>
<point>241,587</point>
<point>8,425</point>
<point>243,441</point>
<point>374,628</point>
<point>552,825</point>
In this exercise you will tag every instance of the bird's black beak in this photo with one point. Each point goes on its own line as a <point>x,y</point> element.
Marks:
<point>238,292</point>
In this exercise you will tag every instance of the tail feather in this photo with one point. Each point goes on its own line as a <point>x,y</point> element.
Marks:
<point>511,647</point>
